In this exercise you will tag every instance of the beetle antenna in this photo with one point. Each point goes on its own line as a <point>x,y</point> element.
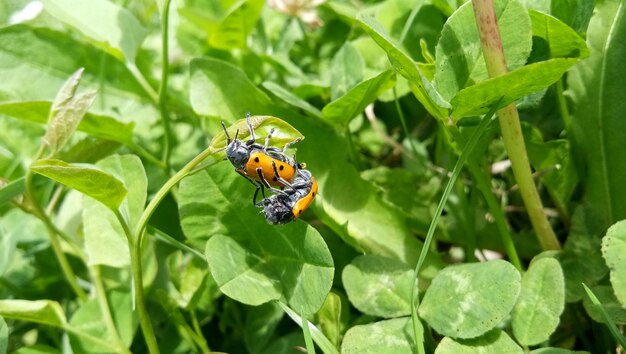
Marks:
<point>226,132</point>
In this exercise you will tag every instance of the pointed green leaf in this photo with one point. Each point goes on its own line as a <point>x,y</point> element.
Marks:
<point>346,70</point>
<point>596,86</point>
<point>379,286</point>
<point>283,133</point>
<point>508,88</point>
<point>405,66</point>
<point>97,184</point>
<point>67,110</point>
<point>563,42</point>
<point>614,253</point>
<point>96,125</point>
<point>342,110</point>
<point>291,98</point>
<point>459,56</point>
<point>252,261</point>
<point>493,342</point>
<point>44,312</point>
<point>110,25</point>
<point>541,301</point>
<point>389,336</point>
<point>468,300</point>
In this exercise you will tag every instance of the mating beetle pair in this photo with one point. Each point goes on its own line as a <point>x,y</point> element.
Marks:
<point>268,167</point>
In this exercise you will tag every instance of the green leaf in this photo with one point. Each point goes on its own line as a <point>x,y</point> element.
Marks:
<point>105,241</point>
<point>405,66</point>
<point>12,190</point>
<point>96,125</point>
<point>346,70</point>
<point>612,306</point>
<point>291,98</point>
<point>379,286</point>
<point>113,28</point>
<point>493,342</point>
<point>596,86</point>
<point>251,261</point>
<point>540,303</point>
<point>466,301</point>
<point>99,185</point>
<point>88,318</point>
<point>8,244</point>
<point>215,90</point>
<point>261,323</point>
<point>226,23</point>
<point>68,109</point>
<point>329,318</point>
<point>459,55</point>
<point>46,312</point>
<point>4,336</point>
<point>34,72</point>
<point>613,251</point>
<point>283,133</point>
<point>508,88</point>
<point>563,42</point>
<point>575,13</point>
<point>388,336</point>
<point>342,110</point>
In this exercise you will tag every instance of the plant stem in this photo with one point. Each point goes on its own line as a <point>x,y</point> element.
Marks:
<point>54,237</point>
<point>137,281</point>
<point>306,331</point>
<point>165,116</point>
<point>482,182</point>
<point>456,171</point>
<point>106,310</point>
<point>510,125</point>
<point>403,122</point>
<point>141,80</point>
<point>562,104</point>
<point>161,193</point>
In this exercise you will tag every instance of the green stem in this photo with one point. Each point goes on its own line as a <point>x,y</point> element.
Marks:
<point>147,155</point>
<point>403,122</point>
<point>562,104</point>
<point>510,125</point>
<point>161,193</point>
<point>55,242</point>
<point>141,80</point>
<point>137,281</point>
<point>106,310</point>
<point>482,182</point>
<point>165,116</point>
<point>198,331</point>
<point>306,331</point>
<point>456,171</point>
